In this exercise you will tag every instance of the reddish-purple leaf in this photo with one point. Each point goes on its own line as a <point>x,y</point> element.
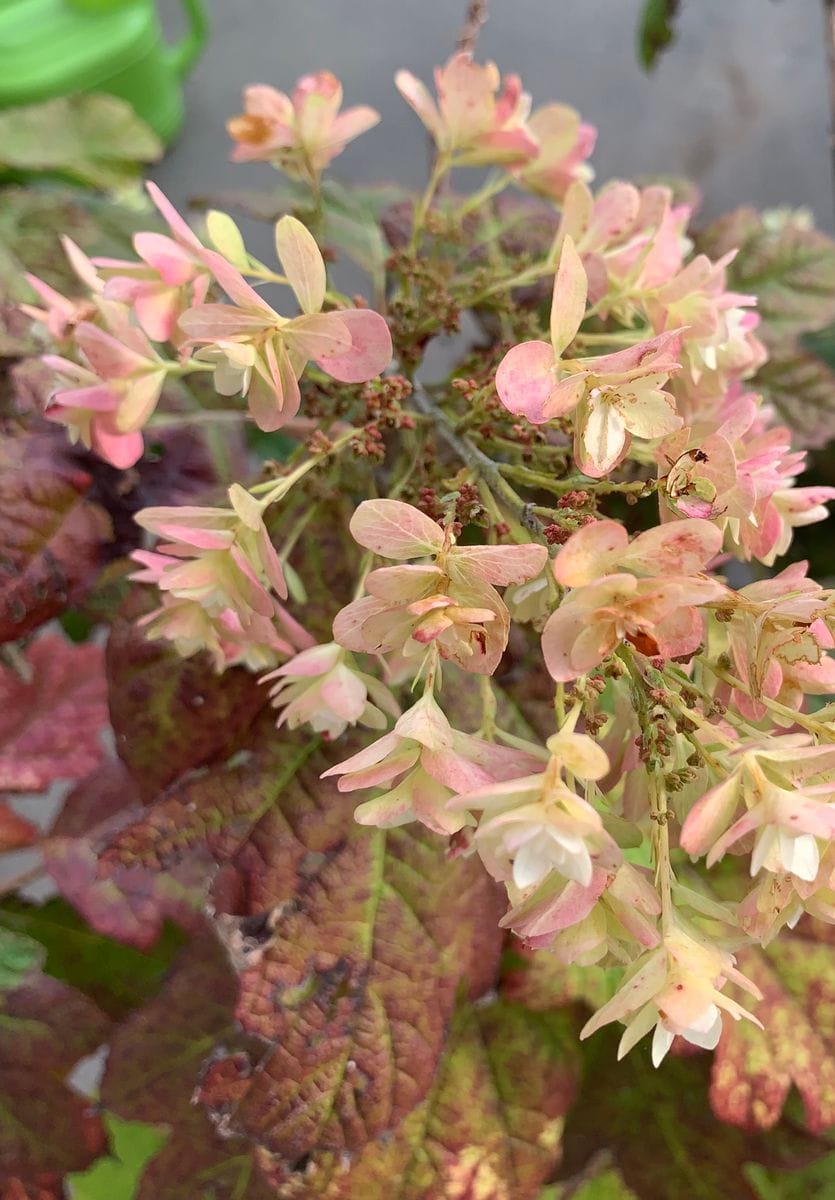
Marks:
<point>167,1042</point>
<point>45,1028</point>
<point>172,714</point>
<point>128,902</point>
<point>50,535</point>
<point>50,726</point>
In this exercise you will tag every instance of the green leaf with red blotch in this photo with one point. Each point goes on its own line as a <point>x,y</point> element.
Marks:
<point>172,714</point>
<point>49,534</point>
<point>45,1028</point>
<point>658,1130</point>
<point>754,1069</point>
<point>53,709</point>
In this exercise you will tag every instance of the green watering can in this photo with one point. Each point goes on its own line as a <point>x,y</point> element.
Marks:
<point>53,48</point>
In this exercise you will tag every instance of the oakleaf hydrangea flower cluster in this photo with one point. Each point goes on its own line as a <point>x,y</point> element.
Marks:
<point>681,734</point>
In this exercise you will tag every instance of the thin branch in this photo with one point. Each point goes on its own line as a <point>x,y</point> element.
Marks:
<point>473,21</point>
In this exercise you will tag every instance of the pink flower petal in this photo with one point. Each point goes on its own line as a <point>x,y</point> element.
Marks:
<point>370,350</point>
<point>395,530</point>
<point>568,304</point>
<point>302,262</point>
<point>526,379</point>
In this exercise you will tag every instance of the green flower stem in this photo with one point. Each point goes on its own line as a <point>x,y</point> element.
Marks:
<point>440,167</point>
<point>818,729</point>
<point>206,416</point>
<point>600,487</point>
<point>276,489</point>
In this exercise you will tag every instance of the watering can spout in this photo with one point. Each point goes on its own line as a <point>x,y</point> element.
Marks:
<point>185,53</point>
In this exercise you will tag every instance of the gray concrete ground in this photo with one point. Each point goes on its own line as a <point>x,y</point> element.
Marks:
<point>739,103</point>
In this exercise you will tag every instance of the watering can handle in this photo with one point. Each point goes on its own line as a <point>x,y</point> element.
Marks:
<point>186,52</point>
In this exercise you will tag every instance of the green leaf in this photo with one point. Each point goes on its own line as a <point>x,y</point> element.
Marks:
<point>93,138</point>
<point>117,977</point>
<point>657,1128</point>
<point>816,1182</point>
<point>116,1176</point>
<point>19,957</point>
<point>608,1185</point>
<point>655,30</point>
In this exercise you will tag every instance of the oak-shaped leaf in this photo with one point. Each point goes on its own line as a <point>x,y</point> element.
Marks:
<point>490,1126</point>
<point>51,723</point>
<point>171,714</point>
<point>95,139</point>
<point>787,265</point>
<point>801,386</point>
<point>126,901</point>
<point>50,535</point>
<point>46,1027</point>
<point>754,1069</point>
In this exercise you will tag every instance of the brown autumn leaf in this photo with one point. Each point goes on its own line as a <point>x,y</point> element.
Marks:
<point>51,725</point>
<point>50,535</point>
<point>172,714</point>
<point>352,942</point>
